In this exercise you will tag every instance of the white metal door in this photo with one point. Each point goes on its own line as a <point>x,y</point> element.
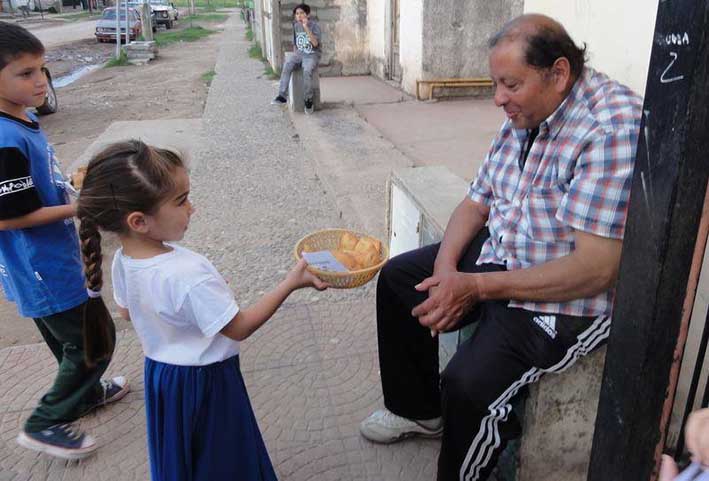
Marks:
<point>405,223</point>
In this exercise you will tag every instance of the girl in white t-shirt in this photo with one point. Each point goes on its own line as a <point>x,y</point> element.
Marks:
<point>199,419</point>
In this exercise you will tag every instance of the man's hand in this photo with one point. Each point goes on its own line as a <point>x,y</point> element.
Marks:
<point>668,469</point>
<point>697,436</point>
<point>451,296</point>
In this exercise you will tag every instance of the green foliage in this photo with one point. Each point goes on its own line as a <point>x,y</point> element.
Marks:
<point>121,61</point>
<point>208,17</point>
<point>269,73</point>
<point>209,76</point>
<point>249,34</point>
<point>190,34</point>
<point>255,51</point>
<point>209,3</point>
<point>75,17</point>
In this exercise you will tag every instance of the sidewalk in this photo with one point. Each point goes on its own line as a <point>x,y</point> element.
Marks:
<point>261,180</point>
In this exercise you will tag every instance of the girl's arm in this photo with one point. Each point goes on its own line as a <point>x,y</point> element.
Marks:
<point>41,216</point>
<point>248,320</point>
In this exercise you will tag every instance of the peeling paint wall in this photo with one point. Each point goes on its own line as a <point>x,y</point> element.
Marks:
<point>438,38</point>
<point>344,34</point>
<point>377,19</point>
<point>411,42</point>
<point>456,33</point>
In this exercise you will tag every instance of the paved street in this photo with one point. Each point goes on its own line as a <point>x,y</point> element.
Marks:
<point>312,371</point>
<point>71,32</point>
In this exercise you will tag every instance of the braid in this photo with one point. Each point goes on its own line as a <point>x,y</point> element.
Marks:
<point>91,252</point>
<point>98,329</point>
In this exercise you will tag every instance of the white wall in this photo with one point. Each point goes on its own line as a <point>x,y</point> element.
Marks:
<point>411,43</point>
<point>618,33</point>
<point>377,31</point>
<point>350,34</point>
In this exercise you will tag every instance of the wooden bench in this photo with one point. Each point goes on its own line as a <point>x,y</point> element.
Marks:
<point>451,83</point>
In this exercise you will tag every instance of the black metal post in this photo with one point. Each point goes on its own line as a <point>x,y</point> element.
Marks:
<point>692,394</point>
<point>669,184</point>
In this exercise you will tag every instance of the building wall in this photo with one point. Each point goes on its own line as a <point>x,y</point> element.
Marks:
<point>456,33</point>
<point>618,33</point>
<point>266,28</point>
<point>344,34</point>
<point>258,25</point>
<point>377,21</point>
<point>411,43</point>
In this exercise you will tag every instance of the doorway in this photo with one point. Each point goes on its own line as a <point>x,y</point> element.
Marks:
<point>394,62</point>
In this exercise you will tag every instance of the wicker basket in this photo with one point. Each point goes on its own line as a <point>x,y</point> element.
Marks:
<point>329,239</point>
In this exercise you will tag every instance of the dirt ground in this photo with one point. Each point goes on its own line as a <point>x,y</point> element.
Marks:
<point>72,56</point>
<point>170,87</point>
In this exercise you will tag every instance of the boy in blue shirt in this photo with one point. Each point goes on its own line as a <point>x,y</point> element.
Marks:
<point>40,263</point>
<point>306,53</point>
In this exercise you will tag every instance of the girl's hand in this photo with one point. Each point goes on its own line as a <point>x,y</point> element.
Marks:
<point>300,277</point>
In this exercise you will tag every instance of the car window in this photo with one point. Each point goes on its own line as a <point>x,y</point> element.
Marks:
<point>111,14</point>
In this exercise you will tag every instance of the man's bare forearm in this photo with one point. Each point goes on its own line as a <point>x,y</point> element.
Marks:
<point>41,216</point>
<point>464,224</point>
<point>589,270</point>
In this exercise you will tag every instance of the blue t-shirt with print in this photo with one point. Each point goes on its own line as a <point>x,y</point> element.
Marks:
<point>40,267</point>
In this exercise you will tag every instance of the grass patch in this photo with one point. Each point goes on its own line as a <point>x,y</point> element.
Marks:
<point>210,3</point>
<point>75,17</point>
<point>190,34</point>
<point>255,51</point>
<point>121,61</point>
<point>269,72</point>
<point>249,34</point>
<point>208,17</point>
<point>208,77</point>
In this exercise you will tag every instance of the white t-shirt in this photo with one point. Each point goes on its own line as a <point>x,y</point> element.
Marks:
<point>178,303</point>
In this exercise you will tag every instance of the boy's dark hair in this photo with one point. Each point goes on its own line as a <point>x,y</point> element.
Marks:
<point>124,177</point>
<point>16,41</point>
<point>304,7</point>
<point>543,45</point>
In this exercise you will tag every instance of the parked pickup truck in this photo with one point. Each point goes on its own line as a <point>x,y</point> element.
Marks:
<point>163,11</point>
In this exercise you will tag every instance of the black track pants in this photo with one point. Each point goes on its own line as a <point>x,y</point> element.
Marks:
<point>510,348</point>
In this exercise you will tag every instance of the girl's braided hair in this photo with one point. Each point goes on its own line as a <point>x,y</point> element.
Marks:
<point>125,177</point>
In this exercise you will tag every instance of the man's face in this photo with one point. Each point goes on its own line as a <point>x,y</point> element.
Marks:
<point>527,95</point>
<point>300,15</point>
<point>23,82</point>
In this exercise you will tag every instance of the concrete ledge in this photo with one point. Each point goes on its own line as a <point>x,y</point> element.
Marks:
<point>181,134</point>
<point>141,51</point>
<point>296,89</point>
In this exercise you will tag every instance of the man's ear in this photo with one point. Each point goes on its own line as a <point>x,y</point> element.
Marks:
<point>137,222</point>
<point>561,73</point>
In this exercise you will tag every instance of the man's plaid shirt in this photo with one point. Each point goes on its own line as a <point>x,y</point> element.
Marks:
<point>577,177</point>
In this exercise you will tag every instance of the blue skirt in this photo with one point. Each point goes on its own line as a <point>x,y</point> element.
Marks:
<point>201,426</point>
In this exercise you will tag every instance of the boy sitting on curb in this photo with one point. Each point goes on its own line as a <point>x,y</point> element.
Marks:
<point>306,53</point>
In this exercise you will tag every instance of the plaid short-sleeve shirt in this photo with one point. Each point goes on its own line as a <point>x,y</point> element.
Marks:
<point>577,176</point>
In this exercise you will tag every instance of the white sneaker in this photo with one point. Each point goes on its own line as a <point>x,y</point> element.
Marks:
<point>383,426</point>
